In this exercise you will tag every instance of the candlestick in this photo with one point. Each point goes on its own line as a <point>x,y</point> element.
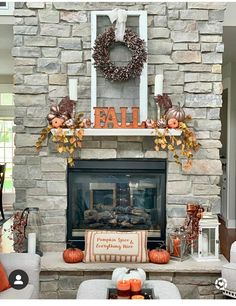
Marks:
<point>158,90</point>
<point>73,89</point>
<point>32,243</point>
<point>158,112</point>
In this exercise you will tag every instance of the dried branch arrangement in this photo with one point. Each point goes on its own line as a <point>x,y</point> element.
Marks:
<point>174,118</point>
<point>63,116</point>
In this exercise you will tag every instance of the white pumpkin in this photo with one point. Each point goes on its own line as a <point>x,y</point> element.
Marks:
<point>126,274</point>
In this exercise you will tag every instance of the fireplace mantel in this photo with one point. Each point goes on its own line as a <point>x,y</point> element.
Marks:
<point>123,132</point>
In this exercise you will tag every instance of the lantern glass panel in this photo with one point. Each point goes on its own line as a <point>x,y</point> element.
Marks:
<point>208,242</point>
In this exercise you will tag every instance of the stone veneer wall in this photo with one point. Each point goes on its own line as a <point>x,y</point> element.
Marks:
<point>64,285</point>
<point>52,42</point>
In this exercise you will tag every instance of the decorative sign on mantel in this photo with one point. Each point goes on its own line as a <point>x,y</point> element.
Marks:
<point>106,117</point>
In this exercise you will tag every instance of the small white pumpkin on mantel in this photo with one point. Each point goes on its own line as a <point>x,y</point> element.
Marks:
<point>127,274</point>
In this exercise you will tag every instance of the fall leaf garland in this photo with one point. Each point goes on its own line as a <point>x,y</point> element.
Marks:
<point>180,146</point>
<point>66,142</point>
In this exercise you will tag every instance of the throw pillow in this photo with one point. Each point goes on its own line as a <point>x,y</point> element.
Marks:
<point>113,246</point>
<point>4,283</point>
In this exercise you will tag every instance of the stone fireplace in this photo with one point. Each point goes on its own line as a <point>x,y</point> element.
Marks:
<point>52,43</point>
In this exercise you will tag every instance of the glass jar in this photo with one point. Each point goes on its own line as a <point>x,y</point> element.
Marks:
<point>177,245</point>
<point>32,227</point>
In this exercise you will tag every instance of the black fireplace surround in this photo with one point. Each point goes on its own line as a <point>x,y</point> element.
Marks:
<point>117,194</point>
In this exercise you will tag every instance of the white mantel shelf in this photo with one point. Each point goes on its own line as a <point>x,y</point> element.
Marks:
<point>123,132</point>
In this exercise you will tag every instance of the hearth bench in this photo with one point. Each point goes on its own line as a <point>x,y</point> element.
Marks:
<point>193,279</point>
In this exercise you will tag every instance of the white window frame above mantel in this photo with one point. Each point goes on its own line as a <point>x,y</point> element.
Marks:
<point>8,9</point>
<point>143,86</point>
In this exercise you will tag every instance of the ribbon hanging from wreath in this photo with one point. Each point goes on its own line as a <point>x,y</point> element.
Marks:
<point>130,39</point>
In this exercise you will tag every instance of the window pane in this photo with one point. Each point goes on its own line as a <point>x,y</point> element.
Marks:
<point>7,99</point>
<point>8,184</point>
<point>6,152</point>
<point>8,155</point>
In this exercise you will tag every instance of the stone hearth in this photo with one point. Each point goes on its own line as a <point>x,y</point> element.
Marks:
<point>193,279</point>
<point>52,43</point>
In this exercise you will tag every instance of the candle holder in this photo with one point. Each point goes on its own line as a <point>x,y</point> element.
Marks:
<point>123,289</point>
<point>163,103</point>
<point>158,107</point>
<point>178,247</point>
<point>135,286</point>
<point>123,294</point>
<point>33,225</point>
<point>207,246</point>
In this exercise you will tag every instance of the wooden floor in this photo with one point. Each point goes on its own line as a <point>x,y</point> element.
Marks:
<point>6,237</point>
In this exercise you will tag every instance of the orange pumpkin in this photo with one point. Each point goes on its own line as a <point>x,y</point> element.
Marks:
<point>57,122</point>
<point>159,256</point>
<point>73,255</point>
<point>173,123</point>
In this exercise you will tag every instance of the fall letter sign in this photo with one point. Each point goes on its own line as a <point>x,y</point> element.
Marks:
<point>106,117</point>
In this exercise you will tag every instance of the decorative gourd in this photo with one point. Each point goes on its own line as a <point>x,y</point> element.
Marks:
<point>126,274</point>
<point>159,256</point>
<point>176,112</point>
<point>73,255</point>
<point>150,124</point>
<point>173,123</point>
<point>161,123</point>
<point>57,122</point>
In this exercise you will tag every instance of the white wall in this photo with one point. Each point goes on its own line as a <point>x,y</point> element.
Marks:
<point>229,81</point>
<point>230,14</point>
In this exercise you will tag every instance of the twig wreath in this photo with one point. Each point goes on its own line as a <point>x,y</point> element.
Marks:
<point>101,55</point>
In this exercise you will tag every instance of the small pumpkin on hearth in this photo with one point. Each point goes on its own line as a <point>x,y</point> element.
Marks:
<point>159,256</point>
<point>173,123</point>
<point>73,255</point>
<point>57,122</point>
<point>176,112</point>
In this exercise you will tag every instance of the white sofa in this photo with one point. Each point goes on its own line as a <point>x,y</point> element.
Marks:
<point>30,263</point>
<point>229,273</point>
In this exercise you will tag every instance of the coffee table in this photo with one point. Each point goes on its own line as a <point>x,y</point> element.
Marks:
<point>97,289</point>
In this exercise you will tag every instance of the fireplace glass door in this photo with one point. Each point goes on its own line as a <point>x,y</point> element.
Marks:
<point>116,199</point>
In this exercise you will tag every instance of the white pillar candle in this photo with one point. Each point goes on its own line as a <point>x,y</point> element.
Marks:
<point>158,90</point>
<point>32,243</point>
<point>73,89</point>
<point>205,244</point>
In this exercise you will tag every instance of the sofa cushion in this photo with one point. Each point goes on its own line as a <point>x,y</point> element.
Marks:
<point>114,246</point>
<point>4,283</point>
<point>26,293</point>
<point>229,274</point>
